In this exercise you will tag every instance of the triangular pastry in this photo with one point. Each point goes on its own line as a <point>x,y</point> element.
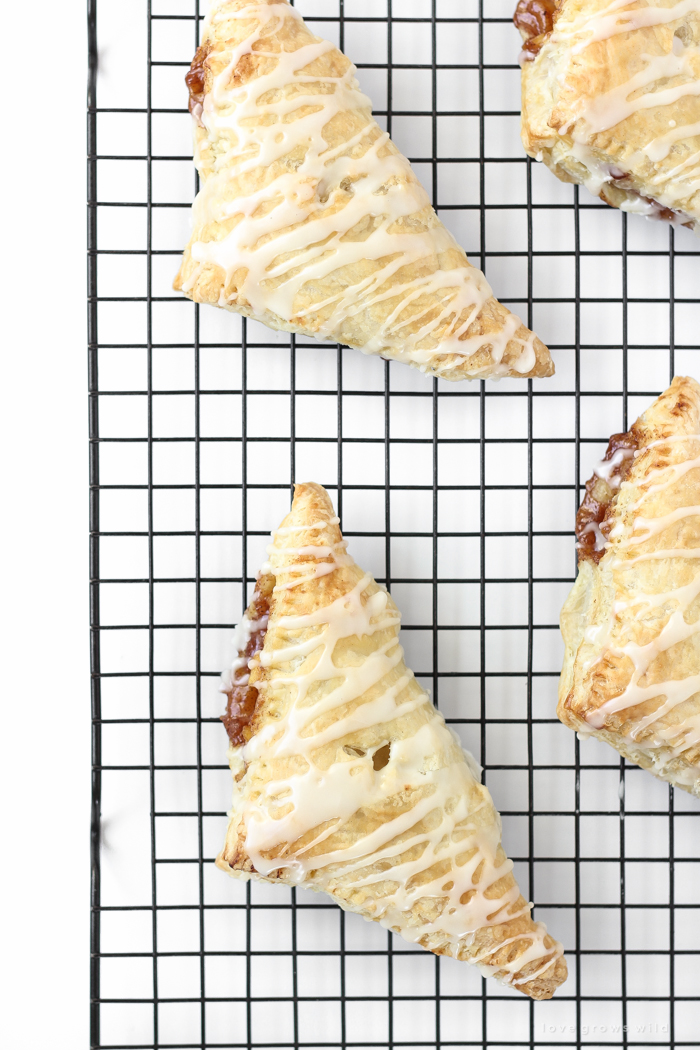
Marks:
<point>611,99</point>
<point>311,221</point>
<point>347,779</point>
<point>631,624</point>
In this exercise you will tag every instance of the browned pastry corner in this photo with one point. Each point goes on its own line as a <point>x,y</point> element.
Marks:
<point>611,100</point>
<point>631,624</point>
<point>310,220</point>
<point>347,779</point>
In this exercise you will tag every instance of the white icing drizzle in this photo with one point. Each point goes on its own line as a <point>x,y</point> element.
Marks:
<point>665,743</point>
<point>604,469</point>
<point>430,763</point>
<point>600,540</point>
<point>610,109</point>
<point>660,147</point>
<point>662,81</point>
<point>242,634</point>
<point>311,211</point>
<point>612,20</point>
<point>337,557</point>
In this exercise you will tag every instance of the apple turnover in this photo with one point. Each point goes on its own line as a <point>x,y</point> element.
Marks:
<point>631,625</point>
<point>611,100</point>
<point>348,780</point>
<point>311,221</point>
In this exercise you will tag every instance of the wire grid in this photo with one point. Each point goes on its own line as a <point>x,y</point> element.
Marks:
<point>461,498</point>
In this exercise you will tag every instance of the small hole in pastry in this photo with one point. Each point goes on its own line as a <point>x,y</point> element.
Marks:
<point>381,757</point>
<point>685,35</point>
<point>448,886</point>
<point>354,752</point>
<point>466,897</point>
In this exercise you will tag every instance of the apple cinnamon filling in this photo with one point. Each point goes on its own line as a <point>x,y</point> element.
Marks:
<point>595,513</point>
<point>196,80</point>
<point>242,697</point>
<point>660,211</point>
<point>535,19</point>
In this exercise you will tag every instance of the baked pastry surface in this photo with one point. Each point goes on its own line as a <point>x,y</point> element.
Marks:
<point>631,624</point>
<point>611,99</point>
<point>348,780</point>
<point>310,220</point>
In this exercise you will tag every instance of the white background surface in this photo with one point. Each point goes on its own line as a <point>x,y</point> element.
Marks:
<point>45,615</point>
<point>45,733</point>
<point>193,619</point>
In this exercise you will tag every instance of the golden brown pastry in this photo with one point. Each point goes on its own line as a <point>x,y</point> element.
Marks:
<point>310,220</point>
<point>347,779</point>
<point>631,624</point>
<point>611,100</point>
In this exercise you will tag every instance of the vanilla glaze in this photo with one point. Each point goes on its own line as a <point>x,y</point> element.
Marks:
<point>284,230</point>
<point>659,79</point>
<point>638,537</point>
<point>432,871</point>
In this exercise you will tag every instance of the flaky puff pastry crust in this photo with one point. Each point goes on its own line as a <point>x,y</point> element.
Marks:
<point>612,100</point>
<point>311,221</point>
<point>350,781</point>
<point>631,625</point>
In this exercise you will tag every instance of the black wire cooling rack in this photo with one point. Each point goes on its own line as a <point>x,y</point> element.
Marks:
<point>460,497</point>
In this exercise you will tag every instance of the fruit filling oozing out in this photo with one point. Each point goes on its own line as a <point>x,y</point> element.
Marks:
<point>535,20</point>
<point>242,697</point>
<point>594,514</point>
